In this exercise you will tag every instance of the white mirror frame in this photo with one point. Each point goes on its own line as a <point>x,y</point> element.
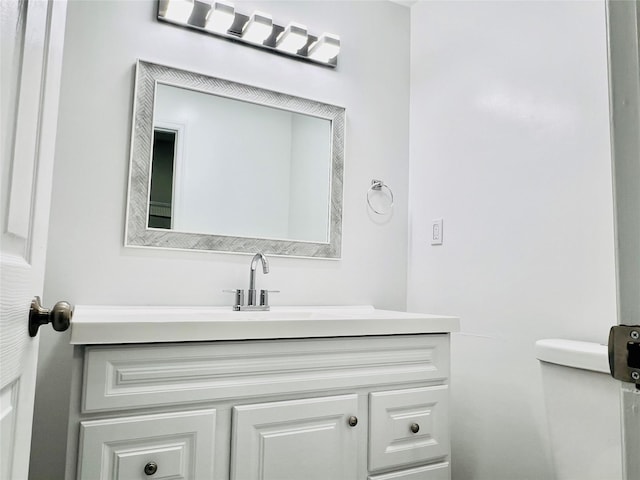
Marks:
<point>137,232</point>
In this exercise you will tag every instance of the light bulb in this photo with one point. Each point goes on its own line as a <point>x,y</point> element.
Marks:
<point>220,17</point>
<point>258,28</point>
<point>325,48</point>
<point>179,10</point>
<point>292,39</point>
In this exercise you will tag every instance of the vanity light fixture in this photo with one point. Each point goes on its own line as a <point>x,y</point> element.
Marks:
<point>293,38</point>
<point>178,10</point>
<point>325,48</point>
<point>258,28</point>
<point>220,18</point>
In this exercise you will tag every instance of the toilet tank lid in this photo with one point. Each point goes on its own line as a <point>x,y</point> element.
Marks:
<point>572,353</point>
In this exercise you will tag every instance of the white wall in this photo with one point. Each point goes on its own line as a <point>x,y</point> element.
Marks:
<point>510,145</point>
<point>87,263</point>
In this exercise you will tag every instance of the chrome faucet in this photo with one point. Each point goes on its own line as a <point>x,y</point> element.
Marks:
<point>252,298</point>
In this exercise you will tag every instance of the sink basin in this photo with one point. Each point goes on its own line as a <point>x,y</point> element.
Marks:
<point>116,324</point>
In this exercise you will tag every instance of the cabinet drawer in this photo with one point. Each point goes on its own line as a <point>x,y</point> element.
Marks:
<point>439,471</point>
<point>139,376</point>
<point>393,415</point>
<point>308,439</point>
<point>180,444</point>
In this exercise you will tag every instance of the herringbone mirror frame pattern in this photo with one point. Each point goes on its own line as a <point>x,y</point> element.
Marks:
<point>137,232</point>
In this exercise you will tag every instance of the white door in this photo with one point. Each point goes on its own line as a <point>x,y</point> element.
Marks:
<point>31,39</point>
<point>624,74</point>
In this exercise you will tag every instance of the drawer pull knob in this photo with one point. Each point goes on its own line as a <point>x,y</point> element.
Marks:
<point>150,468</point>
<point>415,428</point>
<point>353,421</point>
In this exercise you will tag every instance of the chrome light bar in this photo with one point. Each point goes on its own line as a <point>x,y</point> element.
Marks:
<point>220,19</point>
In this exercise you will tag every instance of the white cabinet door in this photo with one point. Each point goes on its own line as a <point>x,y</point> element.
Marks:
<point>408,427</point>
<point>176,446</point>
<point>309,439</point>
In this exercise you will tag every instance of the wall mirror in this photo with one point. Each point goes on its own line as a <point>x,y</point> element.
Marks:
<point>218,165</point>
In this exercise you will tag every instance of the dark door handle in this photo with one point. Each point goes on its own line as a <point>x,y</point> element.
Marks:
<point>59,316</point>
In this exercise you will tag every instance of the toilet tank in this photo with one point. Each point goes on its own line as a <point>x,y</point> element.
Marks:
<point>583,410</point>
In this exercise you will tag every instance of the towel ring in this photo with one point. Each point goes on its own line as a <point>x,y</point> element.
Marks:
<point>378,185</point>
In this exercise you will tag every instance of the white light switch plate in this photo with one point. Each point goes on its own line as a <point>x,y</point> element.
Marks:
<point>436,231</point>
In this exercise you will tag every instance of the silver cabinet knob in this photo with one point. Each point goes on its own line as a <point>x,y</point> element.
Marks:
<point>353,421</point>
<point>150,468</point>
<point>415,428</point>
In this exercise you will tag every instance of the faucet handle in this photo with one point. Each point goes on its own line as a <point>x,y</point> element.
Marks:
<point>239,296</point>
<point>264,296</point>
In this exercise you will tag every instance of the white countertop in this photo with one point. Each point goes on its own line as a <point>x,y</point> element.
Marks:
<point>92,324</point>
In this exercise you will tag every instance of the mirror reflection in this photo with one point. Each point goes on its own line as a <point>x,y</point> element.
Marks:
<point>229,167</point>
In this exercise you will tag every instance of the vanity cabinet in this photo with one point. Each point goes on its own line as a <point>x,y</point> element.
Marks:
<point>349,408</point>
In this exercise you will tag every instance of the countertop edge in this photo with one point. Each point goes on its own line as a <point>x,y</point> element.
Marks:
<point>95,325</point>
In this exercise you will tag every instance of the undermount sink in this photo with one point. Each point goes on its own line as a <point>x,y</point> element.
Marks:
<point>142,324</point>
